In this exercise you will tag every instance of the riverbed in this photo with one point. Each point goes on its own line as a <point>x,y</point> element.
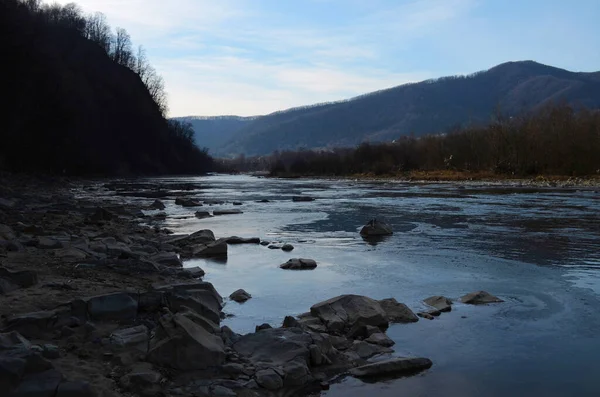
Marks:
<point>534,247</point>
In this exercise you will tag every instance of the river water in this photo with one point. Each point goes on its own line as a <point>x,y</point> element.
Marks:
<point>536,248</point>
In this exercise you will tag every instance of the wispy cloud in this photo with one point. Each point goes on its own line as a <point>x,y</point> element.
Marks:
<point>257,56</point>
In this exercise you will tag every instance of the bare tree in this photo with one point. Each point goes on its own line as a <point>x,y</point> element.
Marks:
<point>98,31</point>
<point>121,48</point>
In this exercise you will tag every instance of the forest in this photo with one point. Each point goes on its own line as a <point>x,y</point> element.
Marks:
<point>557,140</point>
<point>80,100</point>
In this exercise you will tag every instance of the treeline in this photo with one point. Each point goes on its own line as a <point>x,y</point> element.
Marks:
<point>80,100</point>
<point>557,140</point>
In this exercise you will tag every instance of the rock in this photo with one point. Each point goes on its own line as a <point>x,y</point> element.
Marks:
<point>166,259</point>
<point>276,346</point>
<point>71,254</point>
<point>242,240</point>
<point>425,315</point>
<point>287,247</point>
<point>75,389</point>
<point>299,264</point>
<point>265,243</point>
<point>202,321</point>
<point>202,214</point>
<point>157,205</point>
<point>136,337</point>
<point>65,332</point>
<point>102,214</point>
<point>181,344</point>
<point>316,356</point>
<point>187,202</point>
<point>192,272</point>
<point>12,370</point>
<point>398,312</point>
<point>22,278</point>
<point>200,297</point>
<point>376,228</point>
<point>380,339</point>
<point>215,249</point>
<point>344,311</point>
<point>240,296</point>
<point>227,212</point>
<point>296,373</point>
<point>441,303</point>
<point>269,379</point>
<point>480,298</point>
<point>116,306</point>
<point>291,322</point>
<point>222,391</point>
<point>262,327</point>
<point>141,376</point>
<point>393,367</point>
<point>42,384</point>
<point>48,243</point>
<point>38,324</point>
<point>50,351</point>
<point>302,198</point>
<point>237,203</point>
<point>214,202</point>
<point>363,350</point>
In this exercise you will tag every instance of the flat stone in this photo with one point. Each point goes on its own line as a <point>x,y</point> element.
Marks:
<point>136,337</point>
<point>345,311</point>
<point>393,367</point>
<point>21,278</point>
<point>75,389</point>
<point>166,259</point>
<point>48,243</point>
<point>480,298</point>
<point>302,198</point>
<point>50,351</point>
<point>441,303</point>
<point>227,212</point>
<point>42,384</point>
<point>242,240</point>
<point>380,339</point>
<point>202,214</point>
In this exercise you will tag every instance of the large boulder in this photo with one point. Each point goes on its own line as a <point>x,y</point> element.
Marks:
<point>200,297</point>
<point>393,367</point>
<point>480,298</point>
<point>398,312</point>
<point>341,313</point>
<point>441,303</point>
<point>299,264</point>
<point>376,228</point>
<point>136,337</point>
<point>269,379</point>
<point>181,344</point>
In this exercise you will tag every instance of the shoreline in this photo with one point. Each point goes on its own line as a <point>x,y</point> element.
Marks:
<point>546,181</point>
<point>94,302</point>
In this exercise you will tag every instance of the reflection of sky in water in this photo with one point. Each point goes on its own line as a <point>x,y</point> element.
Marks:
<point>535,248</point>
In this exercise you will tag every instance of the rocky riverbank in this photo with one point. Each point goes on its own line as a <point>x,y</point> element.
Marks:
<point>94,301</point>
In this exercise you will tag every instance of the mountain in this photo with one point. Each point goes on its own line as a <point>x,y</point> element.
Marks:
<point>428,107</point>
<point>71,108</point>
<point>214,132</point>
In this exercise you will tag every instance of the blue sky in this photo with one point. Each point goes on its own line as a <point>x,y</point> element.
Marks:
<point>250,57</point>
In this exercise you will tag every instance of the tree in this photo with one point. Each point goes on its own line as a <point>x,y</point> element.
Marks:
<point>121,48</point>
<point>98,31</point>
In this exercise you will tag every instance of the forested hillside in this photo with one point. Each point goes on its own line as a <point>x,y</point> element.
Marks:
<point>428,107</point>
<point>78,99</point>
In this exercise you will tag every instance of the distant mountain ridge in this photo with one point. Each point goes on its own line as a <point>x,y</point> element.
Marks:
<point>427,107</point>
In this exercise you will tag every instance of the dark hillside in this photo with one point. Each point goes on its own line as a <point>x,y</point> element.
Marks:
<point>70,108</point>
<point>432,106</point>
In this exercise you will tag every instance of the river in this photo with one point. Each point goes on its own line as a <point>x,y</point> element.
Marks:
<point>536,248</point>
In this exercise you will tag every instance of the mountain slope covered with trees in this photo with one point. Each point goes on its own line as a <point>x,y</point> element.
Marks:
<point>79,100</point>
<point>428,107</point>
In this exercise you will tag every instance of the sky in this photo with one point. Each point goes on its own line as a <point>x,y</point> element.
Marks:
<point>251,57</point>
